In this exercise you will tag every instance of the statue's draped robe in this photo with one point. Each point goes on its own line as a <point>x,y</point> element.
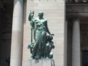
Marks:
<point>39,36</point>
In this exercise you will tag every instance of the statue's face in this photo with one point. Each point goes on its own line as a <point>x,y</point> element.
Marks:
<point>40,14</point>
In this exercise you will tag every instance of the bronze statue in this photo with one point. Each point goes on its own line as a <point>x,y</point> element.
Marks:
<point>43,44</point>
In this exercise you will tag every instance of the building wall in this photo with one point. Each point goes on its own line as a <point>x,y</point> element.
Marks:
<point>54,12</point>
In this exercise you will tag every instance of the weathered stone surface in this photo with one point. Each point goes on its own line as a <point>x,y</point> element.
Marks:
<point>43,62</point>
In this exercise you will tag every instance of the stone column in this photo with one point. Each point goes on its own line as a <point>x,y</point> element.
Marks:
<point>65,46</point>
<point>76,44</point>
<point>17,30</point>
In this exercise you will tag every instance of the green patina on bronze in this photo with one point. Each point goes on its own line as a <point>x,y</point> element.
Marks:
<point>43,44</point>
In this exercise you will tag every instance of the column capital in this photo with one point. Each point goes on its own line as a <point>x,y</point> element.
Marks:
<point>74,20</point>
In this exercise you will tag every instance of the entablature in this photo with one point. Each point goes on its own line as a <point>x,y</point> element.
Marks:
<point>77,1</point>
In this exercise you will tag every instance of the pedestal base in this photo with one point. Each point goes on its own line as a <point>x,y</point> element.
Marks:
<point>43,62</point>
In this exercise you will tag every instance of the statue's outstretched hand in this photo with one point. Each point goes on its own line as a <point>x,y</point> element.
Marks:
<point>31,13</point>
<point>51,34</point>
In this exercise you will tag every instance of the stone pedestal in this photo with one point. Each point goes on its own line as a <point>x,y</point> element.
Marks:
<point>42,62</point>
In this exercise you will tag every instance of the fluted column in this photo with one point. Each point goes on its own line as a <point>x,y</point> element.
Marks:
<point>76,44</point>
<point>17,30</point>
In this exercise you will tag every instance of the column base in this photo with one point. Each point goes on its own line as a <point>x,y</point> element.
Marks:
<point>41,62</point>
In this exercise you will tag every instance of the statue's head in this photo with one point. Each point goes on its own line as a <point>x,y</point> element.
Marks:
<point>40,14</point>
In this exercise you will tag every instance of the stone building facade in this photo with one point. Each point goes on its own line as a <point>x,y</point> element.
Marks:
<point>68,20</point>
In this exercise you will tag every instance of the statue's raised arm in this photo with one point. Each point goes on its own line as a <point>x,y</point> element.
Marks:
<point>31,15</point>
<point>31,18</point>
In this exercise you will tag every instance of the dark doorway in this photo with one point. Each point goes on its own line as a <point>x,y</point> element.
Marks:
<point>85,58</point>
<point>6,12</point>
